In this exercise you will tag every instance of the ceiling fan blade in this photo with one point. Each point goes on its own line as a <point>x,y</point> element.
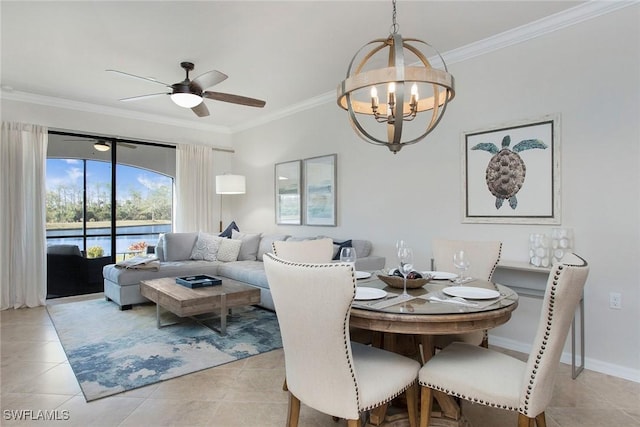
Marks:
<point>124,144</point>
<point>139,77</point>
<point>234,99</point>
<point>201,110</point>
<point>208,79</point>
<point>138,98</point>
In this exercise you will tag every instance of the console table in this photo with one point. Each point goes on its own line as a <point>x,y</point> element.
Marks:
<point>524,267</point>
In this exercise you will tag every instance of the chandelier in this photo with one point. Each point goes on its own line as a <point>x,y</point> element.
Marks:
<point>406,74</point>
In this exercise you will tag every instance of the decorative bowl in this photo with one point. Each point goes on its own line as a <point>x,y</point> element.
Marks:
<point>398,282</point>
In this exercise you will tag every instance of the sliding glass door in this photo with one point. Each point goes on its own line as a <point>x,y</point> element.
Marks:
<point>107,200</point>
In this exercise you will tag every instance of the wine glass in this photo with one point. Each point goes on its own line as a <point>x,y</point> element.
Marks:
<point>405,255</point>
<point>461,262</point>
<point>348,255</point>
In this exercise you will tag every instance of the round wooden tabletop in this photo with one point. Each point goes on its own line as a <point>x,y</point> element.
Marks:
<point>422,317</point>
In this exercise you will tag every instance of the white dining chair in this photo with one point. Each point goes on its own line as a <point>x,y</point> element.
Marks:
<point>303,251</point>
<point>324,369</point>
<point>312,250</point>
<point>484,257</point>
<point>491,378</point>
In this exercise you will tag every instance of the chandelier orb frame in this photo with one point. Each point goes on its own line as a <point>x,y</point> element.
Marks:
<point>400,105</point>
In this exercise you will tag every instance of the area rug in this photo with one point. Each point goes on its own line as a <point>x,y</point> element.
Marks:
<point>111,351</point>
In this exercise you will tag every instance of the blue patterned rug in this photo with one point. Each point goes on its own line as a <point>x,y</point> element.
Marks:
<point>111,351</point>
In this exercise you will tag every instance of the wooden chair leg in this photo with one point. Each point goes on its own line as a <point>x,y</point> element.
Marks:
<point>284,385</point>
<point>524,421</point>
<point>353,423</point>
<point>426,400</point>
<point>541,421</point>
<point>412,404</point>
<point>485,339</point>
<point>294,411</point>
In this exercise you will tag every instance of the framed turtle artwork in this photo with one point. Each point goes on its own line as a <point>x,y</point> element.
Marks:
<point>511,173</point>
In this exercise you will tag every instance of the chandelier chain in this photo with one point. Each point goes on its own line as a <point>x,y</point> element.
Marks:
<point>394,26</point>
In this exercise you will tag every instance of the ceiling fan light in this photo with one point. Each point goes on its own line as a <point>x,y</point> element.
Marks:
<point>101,146</point>
<point>186,100</point>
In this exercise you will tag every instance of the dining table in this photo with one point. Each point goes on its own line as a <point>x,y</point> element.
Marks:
<point>439,307</point>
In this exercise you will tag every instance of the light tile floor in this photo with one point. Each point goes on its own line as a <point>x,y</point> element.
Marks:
<point>36,376</point>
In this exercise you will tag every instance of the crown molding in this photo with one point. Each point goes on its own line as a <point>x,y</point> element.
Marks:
<point>288,111</point>
<point>575,15</point>
<point>68,104</point>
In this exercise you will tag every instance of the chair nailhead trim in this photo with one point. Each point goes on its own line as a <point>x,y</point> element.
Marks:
<point>524,408</point>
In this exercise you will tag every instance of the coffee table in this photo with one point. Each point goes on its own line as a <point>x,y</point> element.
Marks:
<point>186,302</point>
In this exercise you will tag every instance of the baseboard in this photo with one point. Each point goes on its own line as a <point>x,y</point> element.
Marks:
<point>590,364</point>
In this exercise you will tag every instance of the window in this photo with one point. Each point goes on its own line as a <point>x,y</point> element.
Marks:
<point>80,200</point>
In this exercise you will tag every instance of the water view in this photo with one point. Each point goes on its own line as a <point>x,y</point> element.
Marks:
<point>79,195</point>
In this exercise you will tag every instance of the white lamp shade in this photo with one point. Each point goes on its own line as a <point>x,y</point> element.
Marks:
<point>230,184</point>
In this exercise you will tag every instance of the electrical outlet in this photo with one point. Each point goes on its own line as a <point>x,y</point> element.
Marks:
<point>615,300</point>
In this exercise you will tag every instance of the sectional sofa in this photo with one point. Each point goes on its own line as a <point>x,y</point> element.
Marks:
<point>238,258</point>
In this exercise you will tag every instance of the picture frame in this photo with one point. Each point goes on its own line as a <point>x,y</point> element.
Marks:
<point>320,180</point>
<point>288,190</point>
<point>520,185</point>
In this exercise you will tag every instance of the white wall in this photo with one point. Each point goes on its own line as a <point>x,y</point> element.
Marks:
<point>589,73</point>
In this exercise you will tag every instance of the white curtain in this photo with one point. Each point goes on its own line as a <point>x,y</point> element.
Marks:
<point>23,246</point>
<point>195,189</point>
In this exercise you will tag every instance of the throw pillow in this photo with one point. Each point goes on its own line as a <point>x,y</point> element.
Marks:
<point>178,246</point>
<point>206,247</point>
<point>249,247</point>
<point>229,250</point>
<point>227,231</point>
<point>266,243</point>
<point>337,247</point>
<point>160,248</point>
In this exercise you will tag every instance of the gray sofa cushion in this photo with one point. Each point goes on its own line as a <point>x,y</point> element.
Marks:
<point>249,247</point>
<point>127,277</point>
<point>362,247</point>
<point>178,246</point>
<point>251,272</point>
<point>266,243</point>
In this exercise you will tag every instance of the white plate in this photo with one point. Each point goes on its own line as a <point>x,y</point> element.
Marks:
<point>362,274</point>
<point>363,293</point>
<point>440,275</point>
<point>471,292</point>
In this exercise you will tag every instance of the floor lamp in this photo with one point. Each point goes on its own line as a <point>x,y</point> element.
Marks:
<point>229,184</point>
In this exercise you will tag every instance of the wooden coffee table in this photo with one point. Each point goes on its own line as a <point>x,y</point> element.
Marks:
<point>186,302</point>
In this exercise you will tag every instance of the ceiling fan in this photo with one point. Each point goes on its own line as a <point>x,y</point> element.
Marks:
<point>102,144</point>
<point>191,93</point>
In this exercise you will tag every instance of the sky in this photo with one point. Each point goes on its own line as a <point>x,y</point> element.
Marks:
<point>69,172</point>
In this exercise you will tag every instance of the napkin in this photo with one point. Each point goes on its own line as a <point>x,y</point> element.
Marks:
<point>379,305</point>
<point>451,300</point>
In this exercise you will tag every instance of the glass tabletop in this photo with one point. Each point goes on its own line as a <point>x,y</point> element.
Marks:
<point>431,300</point>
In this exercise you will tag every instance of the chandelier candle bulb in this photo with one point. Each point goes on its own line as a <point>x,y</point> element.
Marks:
<point>414,94</point>
<point>374,99</point>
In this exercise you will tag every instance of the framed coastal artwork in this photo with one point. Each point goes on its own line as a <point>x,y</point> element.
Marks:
<point>288,184</point>
<point>511,173</point>
<point>320,178</point>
